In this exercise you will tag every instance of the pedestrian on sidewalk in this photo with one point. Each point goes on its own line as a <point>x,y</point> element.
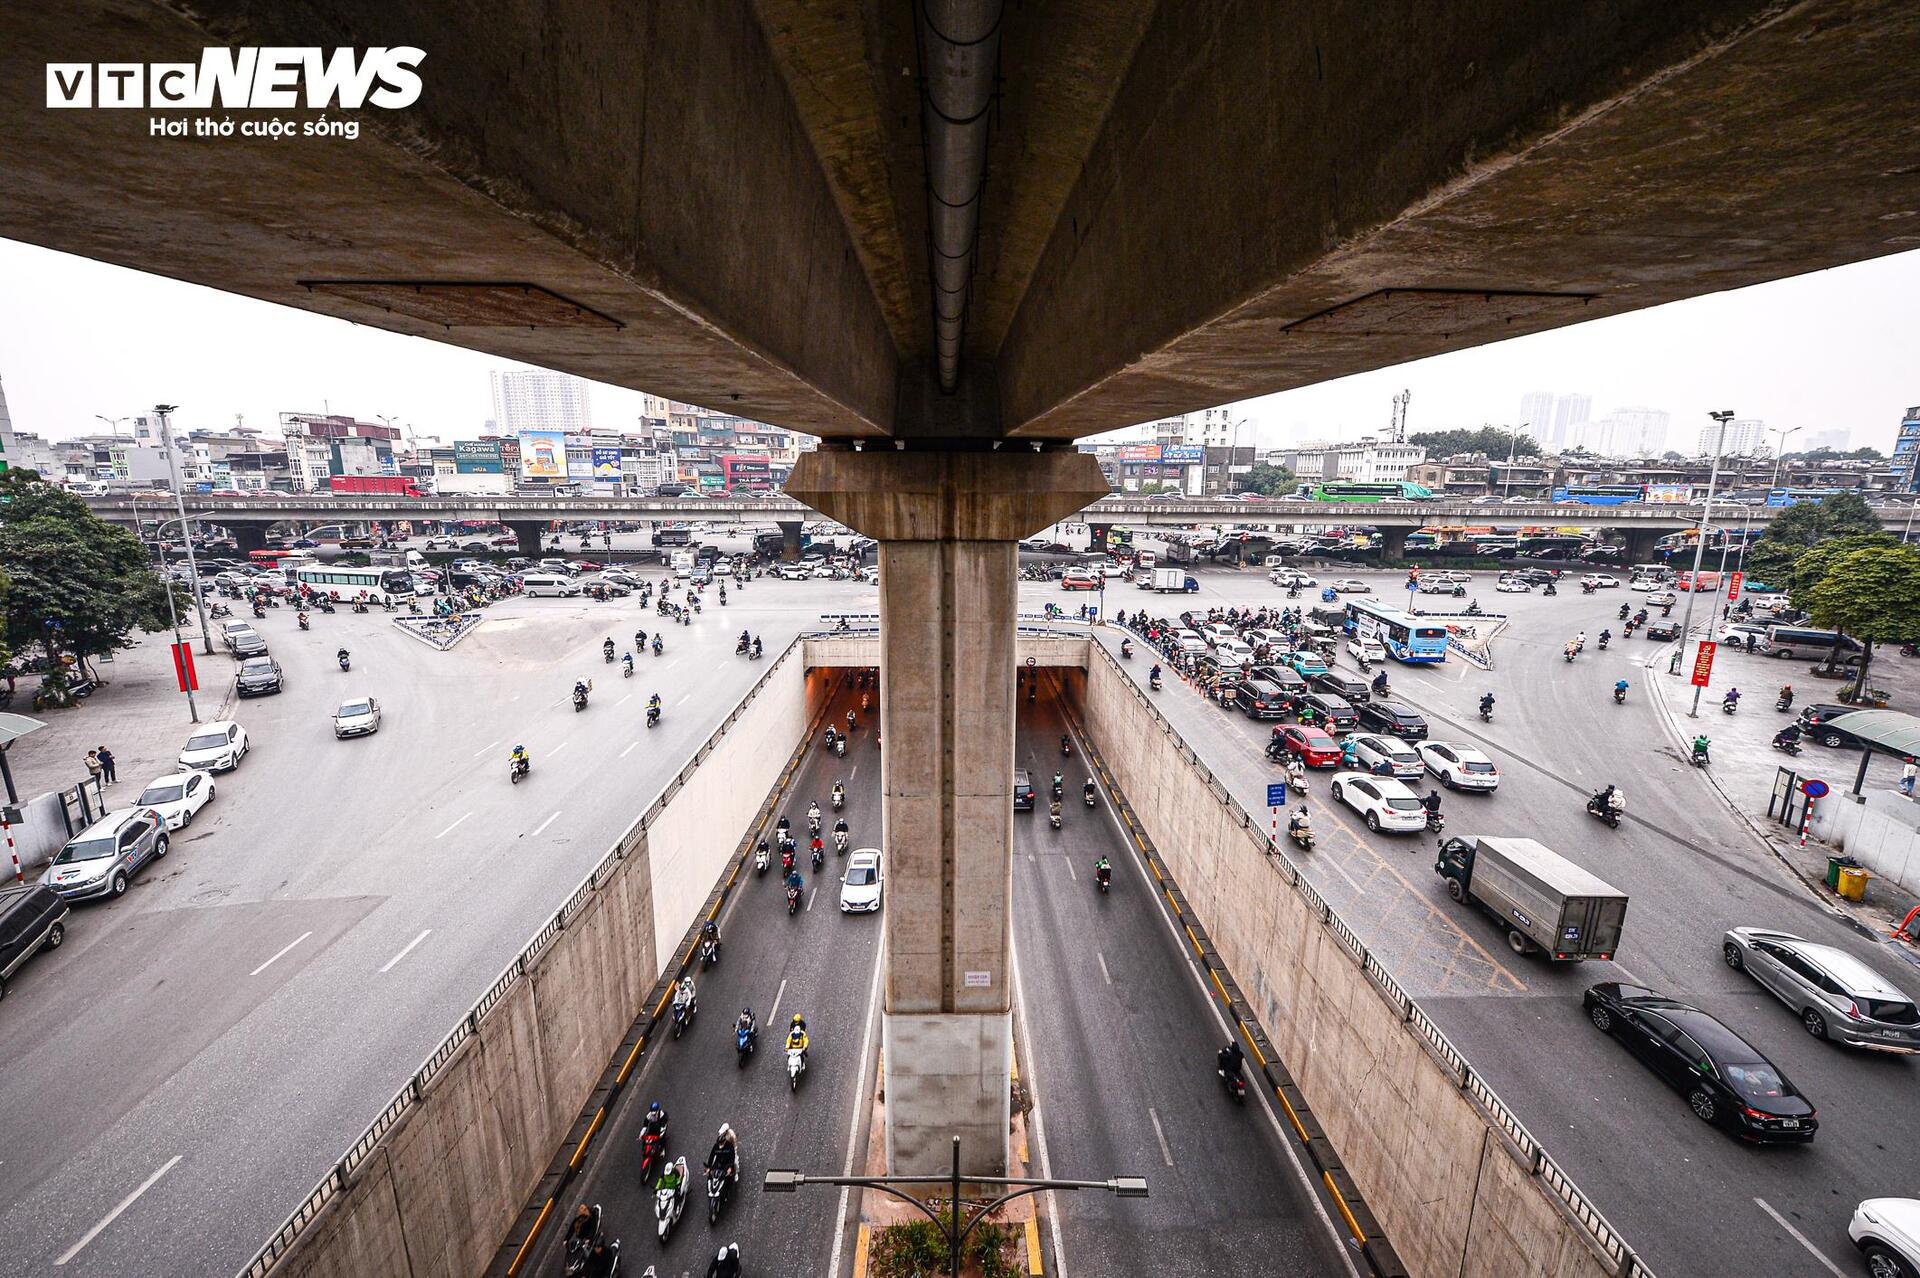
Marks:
<point>107,770</point>
<point>93,765</point>
<point>1908,775</point>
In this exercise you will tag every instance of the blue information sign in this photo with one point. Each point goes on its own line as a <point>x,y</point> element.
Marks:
<point>1277,795</point>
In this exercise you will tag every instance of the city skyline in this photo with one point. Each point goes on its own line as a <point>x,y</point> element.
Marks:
<point>86,341</point>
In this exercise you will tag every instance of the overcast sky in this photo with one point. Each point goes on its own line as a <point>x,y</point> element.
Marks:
<point>1830,351</point>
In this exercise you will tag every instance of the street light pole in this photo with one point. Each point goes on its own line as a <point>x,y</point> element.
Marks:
<point>173,615</point>
<point>162,411</point>
<point>785,1181</point>
<point>1513,447</point>
<point>1700,545</point>
<point>1746,519</point>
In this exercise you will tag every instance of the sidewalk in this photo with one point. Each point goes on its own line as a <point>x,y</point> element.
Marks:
<point>1746,768</point>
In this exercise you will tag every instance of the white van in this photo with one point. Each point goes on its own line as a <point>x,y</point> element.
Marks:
<point>535,584</point>
<point>683,563</point>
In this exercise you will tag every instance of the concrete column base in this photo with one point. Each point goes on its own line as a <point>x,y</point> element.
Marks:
<point>529,532</point>
<point>947,1075</point>
<point>790,530</point>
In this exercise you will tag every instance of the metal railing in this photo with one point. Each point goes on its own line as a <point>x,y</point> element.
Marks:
<point>1600,1233</point>
<point>340,1175</point>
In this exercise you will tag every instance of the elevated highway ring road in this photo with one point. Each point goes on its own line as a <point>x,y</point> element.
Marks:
<point>1687,1197</point>
<point>320,508</point>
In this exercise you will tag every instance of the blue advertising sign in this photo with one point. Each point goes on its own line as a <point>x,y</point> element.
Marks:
<point>1182,454</point>
<point>1277,795</point>
<point>477,457</point>
<point>606,463</point>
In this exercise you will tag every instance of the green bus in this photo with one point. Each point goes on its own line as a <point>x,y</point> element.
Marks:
<point>1348,491</point>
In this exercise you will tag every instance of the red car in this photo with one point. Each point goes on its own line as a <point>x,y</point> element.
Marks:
<point>1315,746</point>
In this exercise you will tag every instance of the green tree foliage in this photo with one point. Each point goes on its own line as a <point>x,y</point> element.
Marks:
<point>77,585</point>
<point>1829,454</point>
<point>918,1250</point>
<point>1869,592</point>
<point>1269,481</point>
<point>1800,527</point>
<point>1488,439</point>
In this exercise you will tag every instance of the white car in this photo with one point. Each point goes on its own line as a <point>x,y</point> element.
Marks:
<point>356,717</point>
<point>871,574</point>
<point>1189,641</point>
<point>1661,598</point>
<point>1887,1232</point>
<point>1600,580</point>
<point>1512,586</point>
<point>214,747</point>
<point>1644,583</point>
<point>794,572</point>
<point>1447,574</point>
<point>177,797</point>
<point>1111,570</point>
<point>1291,577</point>
<point>1459,767</point>
<point>723,567</point>
<point>861,885</point>
<point>1384,802</point>
<point>823,573</point>
<point>1232,652</point>
<point>1352,586</point>
<point>1366,650</point>
<point>1217,633</point>
<point>1369,749</point>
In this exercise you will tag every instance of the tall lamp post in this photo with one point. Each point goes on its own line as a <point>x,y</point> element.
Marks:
<point>1700,545</point>
<point>1746,520</point>
<point>779,1181</point>
<point>1513,447</point>
<point>163,411</point>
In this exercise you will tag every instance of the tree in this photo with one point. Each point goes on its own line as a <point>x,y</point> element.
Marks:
<point>1802,526</point>
<point>1834,454</point>
<point>1872,594</point>
<point>1269,481</point>
<point>1489,440</point>
<point>79,586</point>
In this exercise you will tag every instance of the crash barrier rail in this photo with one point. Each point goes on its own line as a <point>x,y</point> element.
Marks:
<point>1606,1241</point>
<point>339,1176</point>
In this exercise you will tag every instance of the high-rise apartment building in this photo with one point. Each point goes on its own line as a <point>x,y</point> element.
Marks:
<point>1904,465</point>
<point>1536,415</point>
<point>1632,432</point>
<point>1745,437</point>
<point>1569,429</point>
<point>536,399</point>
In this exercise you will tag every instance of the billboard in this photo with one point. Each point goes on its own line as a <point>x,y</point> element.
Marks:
<point>1669,494</point>
<point>543,454</point>
<point>1140,453</point>
<point>606,463</point>
<point>1183,454</point>
<point>477,457</point>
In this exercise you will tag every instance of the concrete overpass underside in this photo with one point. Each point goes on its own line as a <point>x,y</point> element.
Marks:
<point>955,226</point>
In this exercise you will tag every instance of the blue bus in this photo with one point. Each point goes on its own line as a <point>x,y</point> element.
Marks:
<point>1600,494</point>
<point>1793,496</point>
<point>1405,638</point>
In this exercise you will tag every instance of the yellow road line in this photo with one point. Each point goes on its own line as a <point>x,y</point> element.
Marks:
<point>539,1223</point>
<point>580,1150</point>
<point>627,1067</point>
<point>1033,1247</point>
<point>1353,1225</point>
<point>860,1251</point>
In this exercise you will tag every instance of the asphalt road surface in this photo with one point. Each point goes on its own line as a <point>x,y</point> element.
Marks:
<point>183,1070</point>
<point>1691,1199</point>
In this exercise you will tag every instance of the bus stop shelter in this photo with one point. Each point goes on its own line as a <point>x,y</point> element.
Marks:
<point>1892,732</point>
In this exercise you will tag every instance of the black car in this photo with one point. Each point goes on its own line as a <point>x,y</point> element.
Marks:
<point>1333,713</point>
<point>1663,630</point>
<point>1261,698</point>
<point>32,917</point>
<point>1346,687</point>
<point>1286,678</point>
<point>1022,791</point>
<point>1816,722</point>
<point>259,676</point>
<point>1532,576</point>
<point>246,644</point>
<point>1726,1081</point>
<point>1393,719</point>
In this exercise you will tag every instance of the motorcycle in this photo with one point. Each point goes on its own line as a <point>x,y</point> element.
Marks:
<point>840,842</point>
<point>1603,642</point>
<point>1104,877</point>
<point>1054,816</point>
<point>653,1148</point>
<point>1436,821</point>
<point>653,715</point>
<point>760,859</point>
<point>819,856</point>
<point>220,610</point>
<point>1619,696</point>
<point>718,1183</point>
<point>626,670</point>
<point>1154,683</point>
<point>669,1203</point>
<point>745,1038</point>
<point>793,900</point>
<point>1568,654</point>
<point>709,952</point>
<point>740,649</point>
<point>683,1016</point>
<point>1126,651</point>
<point>1486,714</point>
<point>1729,707</point>
<point>1786,747</point>
<point>840,747</point>
<point>658,647</point>
<point>1066,745</point>
<point>1784,704</point>
<point>578,1249</point>
<point>1699,759</point>
<point>1235,1085</point>
<point>579,702</point>
<point>1087,794</point>
<point>1604,811</point>
<point>346,662</point>
<point>304,623</point>
<point>517,768</point>
<point>796,1066</point>
<point>839,798</point>
<point>1302,835</point>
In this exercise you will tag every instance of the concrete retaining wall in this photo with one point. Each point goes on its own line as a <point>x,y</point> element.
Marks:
<point>1457,1195</point>
<point>1062,650</point>
<point>441,1176</point>
<point>1881,831</point>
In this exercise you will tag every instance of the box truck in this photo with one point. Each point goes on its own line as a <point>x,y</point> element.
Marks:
<point>1548,904</point>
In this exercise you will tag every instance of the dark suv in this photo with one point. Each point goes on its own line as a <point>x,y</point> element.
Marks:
<point>259,675</point>
<point>1260,698</point>
<point>1335,713</point>
<point>32,915</point>
<point>1343,686</point>
<point>1815,721</point>
<point>1393,719</point>
<point>1022,791</point>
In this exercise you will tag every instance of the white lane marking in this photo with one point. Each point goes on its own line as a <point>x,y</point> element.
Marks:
<point>456,825</point>
<point>538,829</point>
<point>1103,966</point>
<point>629,750</point>
<point>622,701</point>
<point>682,701</point>
<point>1334,865</point>
<point>1800,1238</point>
<point>282,954</point>
<point>1034,1117</point>
<point>778,995</point>
<point>488,746</point>
<point>1070,873</point>
<point>811,893</point>
<point>557,749</point>
<point>853,1123</point>
<point>114,1215</point>
<point>1160,1135</point>
<point>408,950</point>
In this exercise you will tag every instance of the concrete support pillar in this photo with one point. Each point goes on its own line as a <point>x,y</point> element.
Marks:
<point>529,532</point>
<point>790,530</point>
<point>1393,542</point>
<point>1640,543</point>
<point>947,524</point>
<point>249,537</point>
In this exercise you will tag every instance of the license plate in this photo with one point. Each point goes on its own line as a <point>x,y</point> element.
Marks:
<point>1789,1122</point>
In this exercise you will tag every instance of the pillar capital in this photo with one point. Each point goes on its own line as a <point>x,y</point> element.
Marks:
<point>946,496</point>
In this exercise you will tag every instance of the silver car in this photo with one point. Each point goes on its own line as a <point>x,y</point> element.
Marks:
<point>1837,996</point>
